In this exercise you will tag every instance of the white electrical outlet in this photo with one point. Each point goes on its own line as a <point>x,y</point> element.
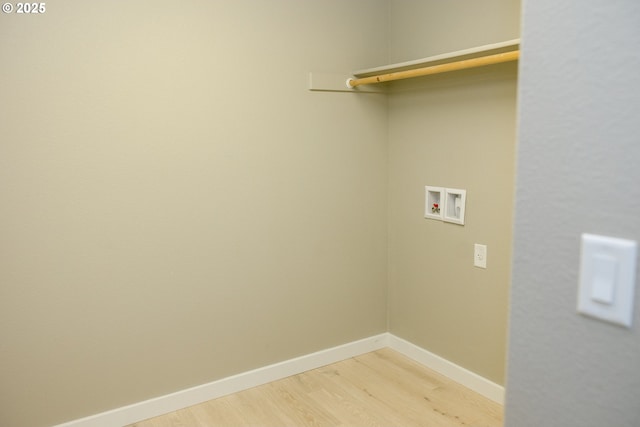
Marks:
<point>480,255</point>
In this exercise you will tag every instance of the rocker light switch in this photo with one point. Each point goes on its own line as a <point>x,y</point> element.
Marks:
<point>607,278</point>
<point>604,278</point>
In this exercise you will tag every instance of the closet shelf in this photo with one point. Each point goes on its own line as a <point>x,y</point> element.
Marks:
<point>467,58</point>
<point>459,55</point>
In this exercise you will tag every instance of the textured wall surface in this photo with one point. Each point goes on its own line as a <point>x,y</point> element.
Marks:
<point>577,171</point>
<point>176,206</point>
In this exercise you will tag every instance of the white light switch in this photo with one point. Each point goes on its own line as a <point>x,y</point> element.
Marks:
<point>607,278</point>
<point>604,278</point>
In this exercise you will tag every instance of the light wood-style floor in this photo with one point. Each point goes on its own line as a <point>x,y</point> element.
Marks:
<point>382,388</point>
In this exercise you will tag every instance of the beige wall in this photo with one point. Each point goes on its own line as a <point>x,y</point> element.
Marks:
<point>165,221</point>
<point>458,131</point>
<point>419,28</point>
<point>176,205</point>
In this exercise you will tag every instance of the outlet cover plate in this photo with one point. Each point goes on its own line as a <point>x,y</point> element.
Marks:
<point>480,255</point>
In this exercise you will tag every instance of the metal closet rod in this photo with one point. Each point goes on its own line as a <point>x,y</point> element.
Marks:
<point>497,58</point>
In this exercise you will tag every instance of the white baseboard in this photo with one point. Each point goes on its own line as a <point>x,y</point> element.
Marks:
<point>181,399</point>
<point>192,396</point>
<point>457,373</point>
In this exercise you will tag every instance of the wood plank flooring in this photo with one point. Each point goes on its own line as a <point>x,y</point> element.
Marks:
<point>382,388</point>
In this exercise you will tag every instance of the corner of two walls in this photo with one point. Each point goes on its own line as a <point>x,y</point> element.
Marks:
<point>145,167</point>
<point>456,130</point>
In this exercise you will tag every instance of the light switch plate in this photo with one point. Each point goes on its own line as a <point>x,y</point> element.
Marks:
<point>607,278</point>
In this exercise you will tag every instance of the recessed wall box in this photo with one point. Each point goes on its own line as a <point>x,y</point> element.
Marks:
<point>434,200</point>
<point>454,203</point>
